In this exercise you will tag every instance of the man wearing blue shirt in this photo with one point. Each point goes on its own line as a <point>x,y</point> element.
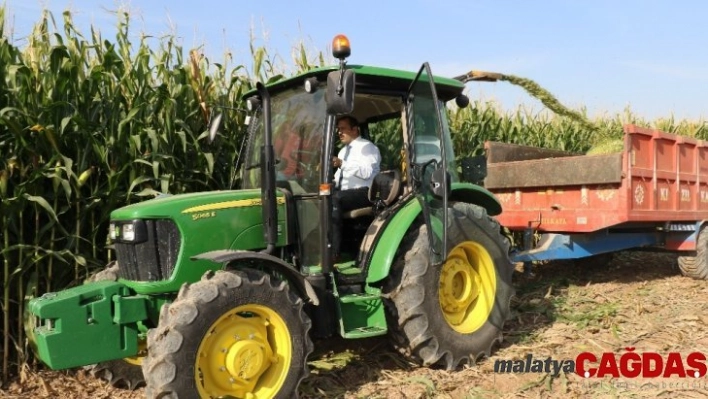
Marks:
<point>358,162</point>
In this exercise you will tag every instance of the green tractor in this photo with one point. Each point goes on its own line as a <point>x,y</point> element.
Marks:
<point>220,294</point>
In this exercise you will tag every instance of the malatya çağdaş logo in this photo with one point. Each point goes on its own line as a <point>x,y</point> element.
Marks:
<point>629,364</point>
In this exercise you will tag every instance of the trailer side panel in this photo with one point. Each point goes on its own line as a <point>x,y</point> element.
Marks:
<point>658,178</point>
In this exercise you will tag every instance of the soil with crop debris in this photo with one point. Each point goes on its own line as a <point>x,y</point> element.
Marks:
<point>638,299</point>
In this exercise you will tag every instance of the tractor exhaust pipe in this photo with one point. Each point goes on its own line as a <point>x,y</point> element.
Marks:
<point>268,200</point>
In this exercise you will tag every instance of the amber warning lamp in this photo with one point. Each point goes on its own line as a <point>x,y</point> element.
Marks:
<point>340,83</point>
<point>340,47</point>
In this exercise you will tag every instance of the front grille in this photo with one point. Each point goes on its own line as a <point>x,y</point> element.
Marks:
<point>151,260</point>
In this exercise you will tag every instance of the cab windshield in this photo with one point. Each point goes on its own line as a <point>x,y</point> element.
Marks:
<point>297,121</point>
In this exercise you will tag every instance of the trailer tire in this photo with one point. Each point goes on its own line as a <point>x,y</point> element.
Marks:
<point>120,373</point>
<point>696,265</point>
<point>433,318</point>
<point>227,329</point>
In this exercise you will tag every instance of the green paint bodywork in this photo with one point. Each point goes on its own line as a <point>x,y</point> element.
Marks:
<point>235,222</point>
<point>360,315</point>
<point>386,247</point>
<point>388,244</point>
<point>73,324</point>
<point>120,310</point>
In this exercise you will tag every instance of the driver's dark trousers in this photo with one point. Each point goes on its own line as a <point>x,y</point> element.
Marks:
<point>344,201</point>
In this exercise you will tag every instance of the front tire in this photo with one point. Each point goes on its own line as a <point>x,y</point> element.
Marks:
<point>232,334</point>
<point>452,314</point>
<point>120,373</point>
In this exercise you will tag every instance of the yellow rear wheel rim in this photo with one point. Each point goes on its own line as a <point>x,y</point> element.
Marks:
<point>246,353</point>
<point>467,287</point>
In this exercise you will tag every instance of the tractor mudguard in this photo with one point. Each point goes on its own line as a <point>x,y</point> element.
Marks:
<point>384,251</point>
<point>474,194</point>
<point>258,259</point>
<point>88,324</point>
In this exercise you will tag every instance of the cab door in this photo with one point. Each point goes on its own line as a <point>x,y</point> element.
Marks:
<point>427,159</point>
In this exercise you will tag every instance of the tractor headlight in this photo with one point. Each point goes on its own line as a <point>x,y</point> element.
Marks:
<point>112,233</point>
<point>128,232</point>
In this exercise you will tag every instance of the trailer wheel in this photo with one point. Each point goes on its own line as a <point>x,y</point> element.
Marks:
<point>451,314</point>
<point>696,265</point>
<point>232,334</point>
<point>128,372</point>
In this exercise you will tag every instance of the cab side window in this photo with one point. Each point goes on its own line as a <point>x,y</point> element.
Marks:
<point>388,136</point>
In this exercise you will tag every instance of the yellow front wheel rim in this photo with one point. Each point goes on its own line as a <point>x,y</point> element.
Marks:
<point>137,360</point>
<point>246,353</point>
<point>467,287</point>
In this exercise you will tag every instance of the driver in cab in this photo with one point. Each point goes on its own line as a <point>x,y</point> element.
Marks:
<point>357,163</point>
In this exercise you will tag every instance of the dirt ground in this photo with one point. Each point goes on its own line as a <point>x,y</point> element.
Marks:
<point>637,300</point>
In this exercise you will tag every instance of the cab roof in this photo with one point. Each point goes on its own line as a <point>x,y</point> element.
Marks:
<point>371,80</point>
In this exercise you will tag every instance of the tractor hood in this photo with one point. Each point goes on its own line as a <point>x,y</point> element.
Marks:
<point>193,204</point>
<point>166,232</point>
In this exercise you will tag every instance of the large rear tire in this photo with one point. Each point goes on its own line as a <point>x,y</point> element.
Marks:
<point>452,314</point>
<point>121,373</point>
<point>232,334</point>
<point>696,264</point>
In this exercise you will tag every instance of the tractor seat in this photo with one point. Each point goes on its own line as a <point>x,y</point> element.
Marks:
<point>383,192</point>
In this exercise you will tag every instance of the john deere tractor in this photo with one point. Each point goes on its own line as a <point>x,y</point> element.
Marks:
<point>220,294</point>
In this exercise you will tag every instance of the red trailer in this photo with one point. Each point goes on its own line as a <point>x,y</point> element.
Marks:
<point>654,193</point>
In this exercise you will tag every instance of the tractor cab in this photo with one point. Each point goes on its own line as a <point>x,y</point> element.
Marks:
<point>400,112</point>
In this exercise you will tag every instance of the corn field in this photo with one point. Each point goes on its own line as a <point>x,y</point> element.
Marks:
<point>88,125</point>
<point>484,121</point>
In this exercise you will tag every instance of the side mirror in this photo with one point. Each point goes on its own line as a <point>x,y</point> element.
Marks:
<point>474,169</point>
<point>440,182</point>
<point>214,127</point>
<point>340,92</point>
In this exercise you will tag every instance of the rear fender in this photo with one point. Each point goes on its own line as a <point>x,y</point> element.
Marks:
<point>477,195</point>
<point>386,246</point>
<point>235,260</point>
<point>388,241</point>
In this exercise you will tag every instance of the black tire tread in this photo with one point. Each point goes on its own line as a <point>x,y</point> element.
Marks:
<point>412,330</point>
<point>167,340</point>
<point>118,373</point>
<point>696,265</point>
